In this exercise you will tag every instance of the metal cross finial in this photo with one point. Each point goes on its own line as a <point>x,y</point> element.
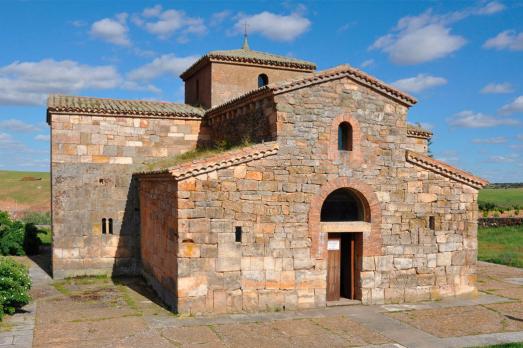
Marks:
<point>245,45</point>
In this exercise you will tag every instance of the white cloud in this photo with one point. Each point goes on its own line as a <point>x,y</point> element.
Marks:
<point>5,139</point>
<point>490,8</point>
<point>273,26</point>
<point>166,64</point>
<point>78,23</point>
<point>470,119</point>
<point>18,126</point>
<point>494,140</point>
<point>504,158</point>
<point>497,88</point>
<point>448,156</point>
<point>111,30</point>
<point>367,63</point>
<point>422,38</point>
<point>519,137</point>
<point>419,83</point>
<point>346,26</point>
<point>506,40</point>
<point>29,83</point>
<point>515,106</point>
<point>42,137</point>
<point>164,24</point>
<point>218,17</point>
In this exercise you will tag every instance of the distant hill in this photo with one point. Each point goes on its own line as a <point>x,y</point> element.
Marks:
<point>24,191</point>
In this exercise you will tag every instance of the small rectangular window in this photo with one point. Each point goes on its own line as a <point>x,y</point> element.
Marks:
<point>110,226</point>
<point>238,234</point>
<point>104,226</point>
<point>432,223</point>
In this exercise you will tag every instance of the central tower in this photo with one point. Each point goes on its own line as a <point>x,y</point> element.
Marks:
<point>220,76</point>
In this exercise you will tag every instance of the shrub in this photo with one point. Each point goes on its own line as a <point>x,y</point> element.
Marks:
<point>488,206</point>
<point>516,211</point>
<point>496,214</point>
<point>17,238</point>
<point>485,213</point>
<point>11,236</point>
<point>14,286</point>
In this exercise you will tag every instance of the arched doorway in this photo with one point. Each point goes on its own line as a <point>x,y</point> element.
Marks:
<point>345,215</point>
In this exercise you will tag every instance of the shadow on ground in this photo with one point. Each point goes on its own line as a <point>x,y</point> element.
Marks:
<point>43,259</point>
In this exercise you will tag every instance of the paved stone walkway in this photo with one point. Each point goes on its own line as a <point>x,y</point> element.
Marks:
<point>100,312</point>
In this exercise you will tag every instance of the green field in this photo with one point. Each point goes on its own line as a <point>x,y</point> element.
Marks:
<point>502,197</point>
<point>29,191</point>
<point>503,245</point>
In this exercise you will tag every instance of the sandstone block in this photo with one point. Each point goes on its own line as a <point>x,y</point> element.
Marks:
<point>227,264</point>
<point>192,286</point>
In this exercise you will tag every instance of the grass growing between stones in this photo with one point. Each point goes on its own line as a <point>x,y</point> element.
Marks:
<point>501,245</point>
<point>193,155</point>
<point>505,345</point>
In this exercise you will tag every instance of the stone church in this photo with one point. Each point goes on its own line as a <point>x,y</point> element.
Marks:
<point>324,194</point>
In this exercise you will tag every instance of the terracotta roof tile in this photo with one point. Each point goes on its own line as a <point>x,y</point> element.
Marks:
<point>311,79</point>
<point>445,169</point>
<point>120,107</point>
<point>249,56</point>
<point>418,132</point>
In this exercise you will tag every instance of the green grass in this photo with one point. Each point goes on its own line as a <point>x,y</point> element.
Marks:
<point>501,197</point>
<point>505,345</point>
<point>44,235</point>
<point>193,155</point>
<point>35,194</point>
<point>503,245</point>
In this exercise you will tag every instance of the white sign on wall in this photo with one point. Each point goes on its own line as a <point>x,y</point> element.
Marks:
<point>333,244</point>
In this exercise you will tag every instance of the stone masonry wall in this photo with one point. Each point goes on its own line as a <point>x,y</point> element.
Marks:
<point>276,265</point>
<point>205,85</point>
<point>419,145</point>
<point>92,162</point>
<point>232,80</point>
<point>159,237</point>
<point>255,122</point>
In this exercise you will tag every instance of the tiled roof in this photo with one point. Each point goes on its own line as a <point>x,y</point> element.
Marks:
<point>220,161</point>
<point>312,79</point>
<point>117,107</point>
<point>249,56</point>
<point>418,132</point>
<point>445,169</point>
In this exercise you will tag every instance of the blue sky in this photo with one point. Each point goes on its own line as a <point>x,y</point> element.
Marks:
<point>463,61</point>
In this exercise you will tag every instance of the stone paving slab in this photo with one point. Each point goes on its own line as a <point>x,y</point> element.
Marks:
<point>124,313</point>
<point>479,299</point>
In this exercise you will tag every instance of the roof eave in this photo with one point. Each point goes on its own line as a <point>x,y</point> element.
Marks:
<point>445,169</point>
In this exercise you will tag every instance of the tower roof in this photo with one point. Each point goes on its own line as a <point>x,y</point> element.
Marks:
<point>247,56</point>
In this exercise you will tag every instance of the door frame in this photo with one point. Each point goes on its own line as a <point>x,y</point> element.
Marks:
<point>347,272</point>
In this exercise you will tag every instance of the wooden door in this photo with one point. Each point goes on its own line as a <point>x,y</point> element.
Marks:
<point>333,267</point>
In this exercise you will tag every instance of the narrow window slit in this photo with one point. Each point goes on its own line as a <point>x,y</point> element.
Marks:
<point>104,226</point>
<point>432,223</point>
<point>110,226</point>
<point>238,234</point>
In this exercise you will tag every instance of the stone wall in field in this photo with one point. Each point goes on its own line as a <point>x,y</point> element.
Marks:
<point>499,222</point>
<point>92,162</point>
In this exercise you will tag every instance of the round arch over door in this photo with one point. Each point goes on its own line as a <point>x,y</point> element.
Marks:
<point>372,214</point>
<point>344,204</point>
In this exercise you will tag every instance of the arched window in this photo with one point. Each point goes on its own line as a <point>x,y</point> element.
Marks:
<point>345,137</point>
<point>343,205</point>
<point>263,80</point>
